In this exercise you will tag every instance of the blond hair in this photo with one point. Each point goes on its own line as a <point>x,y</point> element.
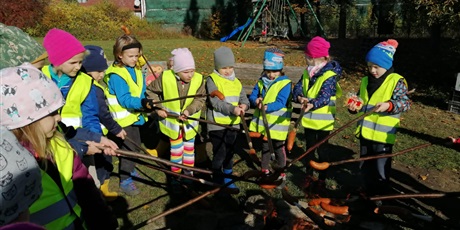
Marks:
<point>122,42</point>
<point>32,135</point>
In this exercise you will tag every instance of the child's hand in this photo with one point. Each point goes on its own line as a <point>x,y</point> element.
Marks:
<point>452,139</point>
<point>92,148</point>
<point>382,107</point>
<point>162,113</point>
<point>353,106</point>
<point>302,100</point>
<point>184,115</point>
<point>122,134</point>
<point>108,143</point>
<point>259,101</point>
<point>237,111</point>
<point>243,107</point>
<point>307,107</point>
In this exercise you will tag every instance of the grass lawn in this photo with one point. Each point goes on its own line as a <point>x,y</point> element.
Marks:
<point>435,168</point>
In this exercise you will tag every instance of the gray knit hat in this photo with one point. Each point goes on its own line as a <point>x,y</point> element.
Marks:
<point>223,57</point>
<point>20,178</point>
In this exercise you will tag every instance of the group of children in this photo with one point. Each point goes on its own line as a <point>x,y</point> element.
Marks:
<point>67,112</point>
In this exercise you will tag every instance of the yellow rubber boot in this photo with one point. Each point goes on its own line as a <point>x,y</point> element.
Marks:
<point>153,152</point>
<point>108,195</point>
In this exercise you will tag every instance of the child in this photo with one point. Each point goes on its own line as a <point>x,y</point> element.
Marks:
<point>387,91</point>
<point>225,112</point>
<point>126,85</point>
<point>317,91</point>
<point>81,109</point>
<point>21,182</point>
<point>182,80</point>
<point>95,65</point>
<point>273,91</point>
<point>69,198</point>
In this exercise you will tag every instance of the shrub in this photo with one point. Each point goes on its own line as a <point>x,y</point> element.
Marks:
<point>22,13</point>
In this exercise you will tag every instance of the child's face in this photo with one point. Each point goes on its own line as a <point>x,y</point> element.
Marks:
<point>226,71</point>
<point>71,66</point>
<point>186,75</point>
<point>97,75</point>
<point>272,74</point>
<point>375,70</point>
<point>129,57</point>
<point>49,123</point>
<point>314,61</point>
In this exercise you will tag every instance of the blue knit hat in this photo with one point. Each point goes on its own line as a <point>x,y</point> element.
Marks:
<point>96,60</point>
<point>273,59</point>
<point>382,53</point>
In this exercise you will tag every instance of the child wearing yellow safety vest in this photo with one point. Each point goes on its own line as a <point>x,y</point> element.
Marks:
<point>273,92</point>
<point>387,91</point>
<point>95,65</point>
<point>70,199</point>
<point>226,112</point>
<point>317,91</point>
<point>182,80</point>
<point>66,54</point>
<point>126,91</point>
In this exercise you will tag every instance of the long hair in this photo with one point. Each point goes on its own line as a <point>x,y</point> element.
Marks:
<point>120,45</point>
<point>33,136</point>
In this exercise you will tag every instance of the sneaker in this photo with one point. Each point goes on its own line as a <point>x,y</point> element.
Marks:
<point>128,187</point>
<point>281,177</point>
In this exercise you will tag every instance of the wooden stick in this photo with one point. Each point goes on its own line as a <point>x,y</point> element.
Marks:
<point>291,136</point>
<point>206,121</point>
<point>267,129</point>
<point>416,195</point>
<point>215,93</point>
<point>156,159</point>
<point>325,165</point>
<point>252,151</point>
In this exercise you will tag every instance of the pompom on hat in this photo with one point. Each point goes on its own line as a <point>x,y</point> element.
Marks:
<point>317,47</point>
<point>182,59</point>
<point>21,178</point>
<point>273,59</point>
<point>27,96</point>
<point>61,46</point>
<point>17,47</point>
<point>382,53</point>
<point>96,60</point>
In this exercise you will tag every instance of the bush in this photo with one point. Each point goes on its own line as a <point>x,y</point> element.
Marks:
<point>101,21</point>
<point>22,13</point>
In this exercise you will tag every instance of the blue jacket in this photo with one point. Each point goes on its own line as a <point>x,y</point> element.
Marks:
<point>118,87</point>
<point>281,99</point>
<point>327,90</point>
<point>77,138</point>
<point>89,107</point>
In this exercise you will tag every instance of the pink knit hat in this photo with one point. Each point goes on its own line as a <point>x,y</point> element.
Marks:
<point>317,47</point>
<point>182,59</point>
<point>27,95</point>
<point>61,46</point>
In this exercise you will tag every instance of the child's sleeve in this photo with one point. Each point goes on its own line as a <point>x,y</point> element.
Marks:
<point>121,90</point>
<point>399,102</point>
<point>281,99</point>
<point>104,114</point>
<point>254,95</point>
<point>155,90</point>
<point>298,90</point>
<point>198,102</point>
<point>327,90</point>
<point>217,104</point>
<point>90,112</point>
<point>244,99</point>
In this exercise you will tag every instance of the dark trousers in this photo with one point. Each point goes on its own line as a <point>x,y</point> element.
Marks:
<point>314,136</point>
<point>280,154</point>
<point>223,145</point>
<point>376,173</point>
<point>127,166</point>
<point>103,166</point>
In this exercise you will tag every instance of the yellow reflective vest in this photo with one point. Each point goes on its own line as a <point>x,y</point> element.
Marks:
<point>231,90</point>
<point>278,121</point>
<point>106,92</point>
<point>380,127</point>
<point>57,208</point>
<point>124,117</point>
<point>322,118</point>
<point>71,111</point>
<point>171,126</point>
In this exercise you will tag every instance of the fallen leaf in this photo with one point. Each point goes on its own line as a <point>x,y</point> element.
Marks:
<point>423,177</point>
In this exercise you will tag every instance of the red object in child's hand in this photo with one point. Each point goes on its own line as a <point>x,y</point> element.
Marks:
<point>358,102</point>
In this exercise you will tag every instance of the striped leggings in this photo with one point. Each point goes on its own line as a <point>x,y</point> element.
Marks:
<point>182,152</point>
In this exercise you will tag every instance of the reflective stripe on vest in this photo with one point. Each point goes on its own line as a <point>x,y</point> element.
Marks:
<point>380,127</point>
<point>121,115</point>
<point>51,209</point>
<point>106,91</point>
<point>278,121</point>
<point>71,111</point>
<point>322,118</point>
<point>231,91</point>
<point>170,126</point>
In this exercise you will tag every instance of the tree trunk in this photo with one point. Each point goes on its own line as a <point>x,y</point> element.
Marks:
<point>343,21</point>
